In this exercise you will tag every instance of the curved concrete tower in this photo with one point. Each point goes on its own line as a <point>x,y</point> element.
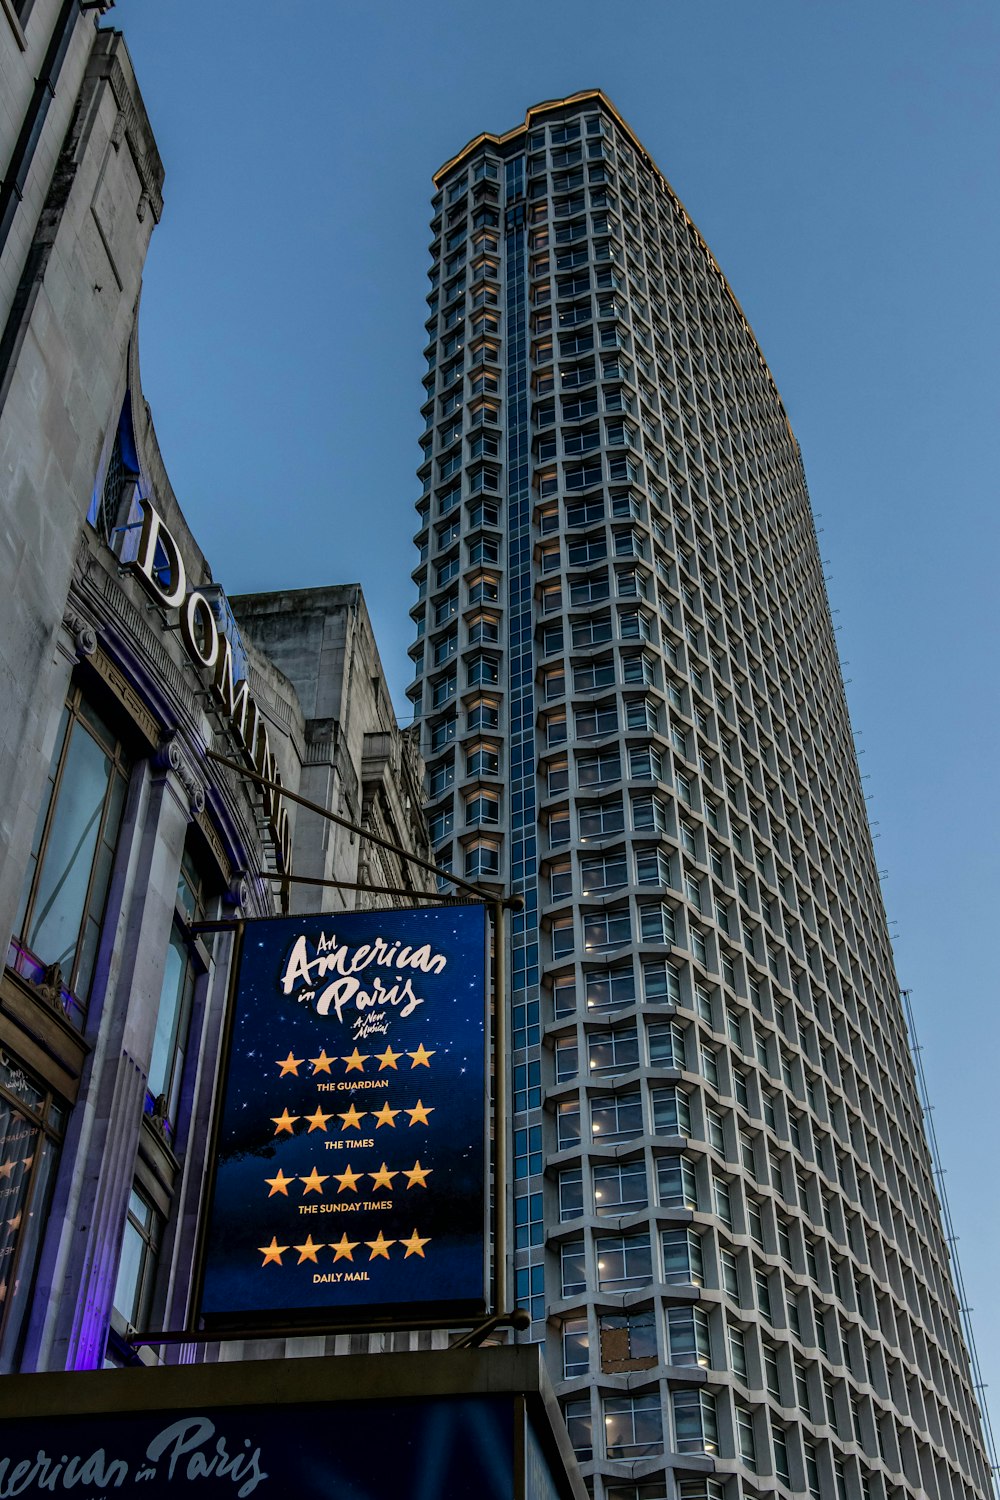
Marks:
<point>632,710</point>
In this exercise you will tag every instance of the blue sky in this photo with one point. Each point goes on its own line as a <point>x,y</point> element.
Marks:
<point>840,160</point>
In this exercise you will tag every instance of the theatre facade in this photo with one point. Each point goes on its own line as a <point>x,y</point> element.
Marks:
<point>128,854</point>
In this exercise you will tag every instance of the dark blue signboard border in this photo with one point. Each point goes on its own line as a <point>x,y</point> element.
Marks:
<point>348,1173</point>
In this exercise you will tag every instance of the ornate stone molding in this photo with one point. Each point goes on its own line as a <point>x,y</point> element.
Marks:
<point>170,757</point>
<point>83,633</point>
<point>140,141</point>
<point>238,893</point>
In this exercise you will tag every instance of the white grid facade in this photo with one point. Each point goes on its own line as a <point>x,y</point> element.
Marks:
<point>632,711</point>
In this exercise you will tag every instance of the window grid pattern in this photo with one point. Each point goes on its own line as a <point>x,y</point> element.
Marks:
<point>702,844</point>
<point>520,674</point>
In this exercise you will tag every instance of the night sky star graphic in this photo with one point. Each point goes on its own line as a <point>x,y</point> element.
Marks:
<point>308,1250</point>
<point>278,1184</point>
<point>344,1248</point>
<point>348,1180</point>
<point>415,1245</point>
<point>382,1178</point>
<point>272,1252</point>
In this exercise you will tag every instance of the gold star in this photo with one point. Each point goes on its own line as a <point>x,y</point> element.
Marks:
<point>284,1121</point>
<point>385,1116</point>
<point>344,1247</point>
<point>290,1065</point>
<point>348,1180</point>
<point>15,1221</point>
<point>356,1061</point>
<point>418,1175</point>
<point>322,1063</point>
<point>415,1245</point>
<point>382,1178</point>
<point>278,1184</point>
<point>387,1059</point>
<point>380,1246</point>
<point>6,1169</point>
<point>352,1117</point>
<point>418,1114</point>
<point>308,1251</point>
<point>313,1182</point>
<point>317,1121</point>
<point>421,1058</point>
<point>273,1251</point>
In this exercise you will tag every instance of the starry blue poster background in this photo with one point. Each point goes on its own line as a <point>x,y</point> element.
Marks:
<point>351,1147</point>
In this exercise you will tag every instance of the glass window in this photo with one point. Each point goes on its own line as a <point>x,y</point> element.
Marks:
<point>482,858</point>
<point>568,1123</point>
<point>632,1426</point>
<point>745,1436</point>
<point>482,806</point>
<point>608,989</point>
<point>676,1184</point>
<point>612,1051</point>
<point>72,853</point>
<point>619,1187</point>
<point>169,1043</point>
<point>571,1194</point>
<point>695,1424</point>
<point>623,1261</point>
<point>687,1331</point>
<point>567,1058</point>
<point>574,1277</point>
<point>671,1112</point>
<point>682,1259</point>
<point>137,1266</point>
<point>30,1126</point>
<point>483,713</point>
<point>606,929</point>
<point>576,1348</point>
<point>615,1117</point>
<point>579,1425</point>
<point>528,1228</point>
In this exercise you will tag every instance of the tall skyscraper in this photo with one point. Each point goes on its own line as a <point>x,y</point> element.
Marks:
<point>632,709</point>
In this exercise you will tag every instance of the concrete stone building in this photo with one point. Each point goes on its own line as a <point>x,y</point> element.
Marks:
<point>122,663</point>
<point>727,1232</point>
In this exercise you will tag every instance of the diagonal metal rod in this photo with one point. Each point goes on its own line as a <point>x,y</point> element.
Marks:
<point>350,885</point>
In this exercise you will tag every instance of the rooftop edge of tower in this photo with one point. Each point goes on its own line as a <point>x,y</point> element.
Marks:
<point>548,106</point>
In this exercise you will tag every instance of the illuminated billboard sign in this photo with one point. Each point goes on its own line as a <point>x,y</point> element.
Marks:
<point>351,1136</point>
